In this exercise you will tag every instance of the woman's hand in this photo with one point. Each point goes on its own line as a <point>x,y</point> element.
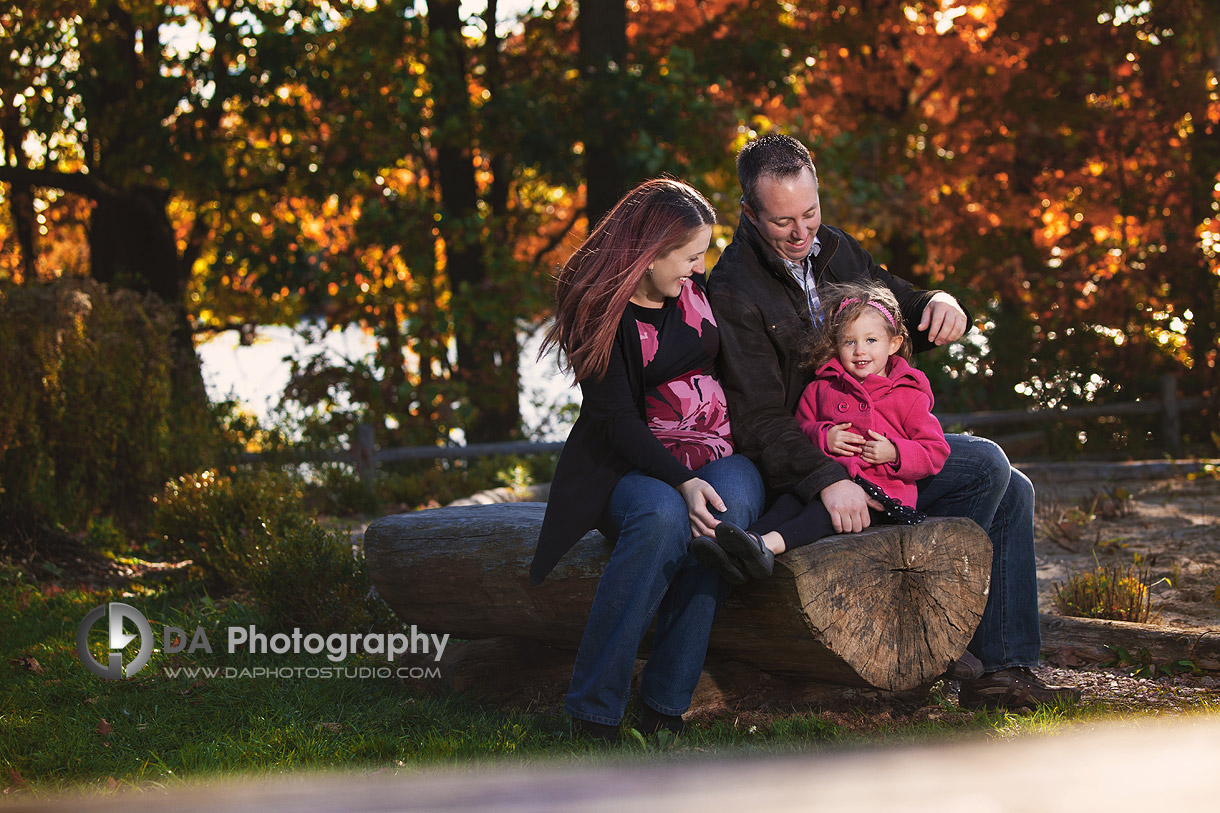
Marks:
<point>699,494</point>
<point>879,450</point>
<point>842,441</point>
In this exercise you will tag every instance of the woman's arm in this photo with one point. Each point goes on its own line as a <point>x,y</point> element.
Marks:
<point>611,406</point>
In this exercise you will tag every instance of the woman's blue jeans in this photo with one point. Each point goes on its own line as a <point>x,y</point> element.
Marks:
<point>651,573</point>
<point>978,483</point>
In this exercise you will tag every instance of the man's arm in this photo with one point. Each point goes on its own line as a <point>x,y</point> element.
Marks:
<point>934,318</point>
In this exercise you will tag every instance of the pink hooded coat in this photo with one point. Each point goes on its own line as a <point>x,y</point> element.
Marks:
<point>897,405</point>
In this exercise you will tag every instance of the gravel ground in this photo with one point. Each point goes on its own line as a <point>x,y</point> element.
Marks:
<point>1116,688</point>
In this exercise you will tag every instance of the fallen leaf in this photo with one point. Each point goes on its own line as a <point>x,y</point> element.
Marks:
<point>112,783</point>
<point>330,726</point>
<point>52,590</point>
<point>15,777</point>
<point>104,728</point>
<point>27,662</point>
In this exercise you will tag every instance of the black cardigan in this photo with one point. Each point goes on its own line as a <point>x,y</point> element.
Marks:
<point>610,438</point>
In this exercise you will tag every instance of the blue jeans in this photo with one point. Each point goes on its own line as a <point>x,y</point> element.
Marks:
<point>978,483</point>
<point>651,573</point>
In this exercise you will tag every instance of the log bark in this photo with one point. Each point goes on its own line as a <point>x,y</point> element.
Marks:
<point>890,608</point>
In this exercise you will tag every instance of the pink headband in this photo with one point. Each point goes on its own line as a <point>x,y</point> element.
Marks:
<point>889,317</point>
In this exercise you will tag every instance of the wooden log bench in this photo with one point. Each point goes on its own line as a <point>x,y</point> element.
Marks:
<point>891,607</point>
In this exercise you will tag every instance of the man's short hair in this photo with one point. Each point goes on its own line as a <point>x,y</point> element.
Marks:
<point>772,154</point>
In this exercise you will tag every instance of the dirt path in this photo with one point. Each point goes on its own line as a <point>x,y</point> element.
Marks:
<point>1098,514</point>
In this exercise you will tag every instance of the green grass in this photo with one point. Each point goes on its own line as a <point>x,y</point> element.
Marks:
<point>161,730</point>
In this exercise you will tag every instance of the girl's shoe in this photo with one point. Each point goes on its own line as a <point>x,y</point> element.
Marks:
<point>756,558</point>
<point>709,554</point>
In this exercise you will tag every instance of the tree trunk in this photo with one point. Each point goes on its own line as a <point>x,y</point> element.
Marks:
<point>486,344</point>
<point>603,53</point>
<point>891,607</point>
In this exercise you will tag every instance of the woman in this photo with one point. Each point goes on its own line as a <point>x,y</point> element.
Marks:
<point>649,461</point>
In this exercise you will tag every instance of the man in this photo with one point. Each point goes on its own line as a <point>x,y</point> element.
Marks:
<point>763,291</point>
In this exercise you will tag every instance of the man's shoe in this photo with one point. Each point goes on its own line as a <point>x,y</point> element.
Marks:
<point>1017,688</point>
<point>709,554</point>
<point>748,547</point>
<point>652,721</point>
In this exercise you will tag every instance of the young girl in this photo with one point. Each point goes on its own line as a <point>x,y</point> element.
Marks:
<point>868,409</point>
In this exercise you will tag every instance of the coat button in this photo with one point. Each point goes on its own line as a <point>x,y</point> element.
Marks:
<point>842,406</point>
<point>864,407</point>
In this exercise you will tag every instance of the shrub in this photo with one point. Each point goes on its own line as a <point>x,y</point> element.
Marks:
<point>439,482</point>
<point>88,418</point>
<point>1116,592</point>
<point>220,521</point>
<point>307,576</point>
<point>338,490</point>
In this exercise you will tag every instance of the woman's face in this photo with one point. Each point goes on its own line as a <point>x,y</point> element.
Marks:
<point>671,270</point>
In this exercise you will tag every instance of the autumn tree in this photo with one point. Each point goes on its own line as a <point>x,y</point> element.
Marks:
<point>141,123</point>
<point>1052,164</point>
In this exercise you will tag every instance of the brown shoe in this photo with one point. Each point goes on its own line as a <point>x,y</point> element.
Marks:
<point>1015,689</point>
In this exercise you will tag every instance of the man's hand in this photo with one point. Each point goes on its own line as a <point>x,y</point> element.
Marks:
<point>848,505</point>
<point>841,441</point>
<point>879,450</point>
<point>944,319</point>
<point>698,495</point>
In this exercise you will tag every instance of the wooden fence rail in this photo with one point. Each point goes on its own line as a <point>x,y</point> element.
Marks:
<point>366,457</point>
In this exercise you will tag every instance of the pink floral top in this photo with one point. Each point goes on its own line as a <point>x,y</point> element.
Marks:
<point>683,400</point>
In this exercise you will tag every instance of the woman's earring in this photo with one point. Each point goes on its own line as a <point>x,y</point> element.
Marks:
<point>648,273</point>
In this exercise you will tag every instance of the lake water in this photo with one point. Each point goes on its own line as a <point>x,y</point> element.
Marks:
<point>256,374</point>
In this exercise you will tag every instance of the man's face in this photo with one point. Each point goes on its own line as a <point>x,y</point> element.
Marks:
<point>789,213</point>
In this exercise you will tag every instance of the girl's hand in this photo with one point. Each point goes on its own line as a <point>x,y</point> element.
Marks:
<point>879,450</point>
<point>699,494</point>
<point>843,442</point>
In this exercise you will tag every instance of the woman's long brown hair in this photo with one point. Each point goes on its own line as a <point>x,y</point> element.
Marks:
<point>594,286</point>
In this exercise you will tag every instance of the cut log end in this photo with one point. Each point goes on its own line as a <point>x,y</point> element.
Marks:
<point>894,604</point>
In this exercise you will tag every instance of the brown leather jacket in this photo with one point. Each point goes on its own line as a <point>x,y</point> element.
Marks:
<point>763,316</point>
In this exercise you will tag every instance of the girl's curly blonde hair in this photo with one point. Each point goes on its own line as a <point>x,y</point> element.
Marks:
<point>842,303</point>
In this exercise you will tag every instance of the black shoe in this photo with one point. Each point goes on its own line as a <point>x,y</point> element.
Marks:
<point>605,734</point>
<point>652,721</point>
<point>757,558</point>
<point>1017,688</point>
<point>712,556</point>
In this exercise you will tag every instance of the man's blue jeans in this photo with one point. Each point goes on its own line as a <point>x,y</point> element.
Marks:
<point>978,483</point>
<point>651,572</point>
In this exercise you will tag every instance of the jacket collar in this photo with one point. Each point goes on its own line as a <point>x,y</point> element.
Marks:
<point>749,234</point>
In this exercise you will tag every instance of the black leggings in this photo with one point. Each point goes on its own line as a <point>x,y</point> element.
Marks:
<point>801,525</point>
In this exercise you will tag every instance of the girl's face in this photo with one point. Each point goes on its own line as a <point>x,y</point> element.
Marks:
<point>865,345</point>
<point>672,269</point>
